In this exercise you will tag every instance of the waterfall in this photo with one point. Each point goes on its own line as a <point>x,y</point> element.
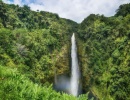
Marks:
<point>75,75</point>
<point>72,85</point>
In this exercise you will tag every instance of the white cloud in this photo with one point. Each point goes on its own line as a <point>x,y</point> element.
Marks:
<point>7,1</point>
<point>35,7</point>
<point>76,10</point>
<point>18,2</point>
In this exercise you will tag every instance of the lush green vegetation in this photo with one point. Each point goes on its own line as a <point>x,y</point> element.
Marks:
<point>31,40</point>
<point>106,41</point>
<point>14,86</point>
<point>35,45</point>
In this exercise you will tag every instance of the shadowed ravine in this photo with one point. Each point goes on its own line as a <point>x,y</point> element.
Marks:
<point>70,85</point>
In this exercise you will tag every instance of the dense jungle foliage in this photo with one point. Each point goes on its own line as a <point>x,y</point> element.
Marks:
<point>35,45</point>
<point>14,86</point>
<point>106,44</point>
<point>32,40</point>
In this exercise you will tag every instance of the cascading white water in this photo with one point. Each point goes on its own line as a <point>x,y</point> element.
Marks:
<point>75,75</point>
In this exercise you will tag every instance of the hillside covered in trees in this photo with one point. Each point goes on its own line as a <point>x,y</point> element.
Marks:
<point>34,46</point>
<point>106,44</point>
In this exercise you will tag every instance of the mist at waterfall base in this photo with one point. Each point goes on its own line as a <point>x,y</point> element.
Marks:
<point>70,85</point>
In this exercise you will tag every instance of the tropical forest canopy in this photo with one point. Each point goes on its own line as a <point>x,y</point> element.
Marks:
<point>34,45</point>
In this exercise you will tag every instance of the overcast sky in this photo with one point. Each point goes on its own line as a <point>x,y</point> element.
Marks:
<point>75,10</point>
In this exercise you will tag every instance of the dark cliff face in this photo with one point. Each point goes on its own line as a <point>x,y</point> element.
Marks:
<point>83,64</point>
<point>63,58</point>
